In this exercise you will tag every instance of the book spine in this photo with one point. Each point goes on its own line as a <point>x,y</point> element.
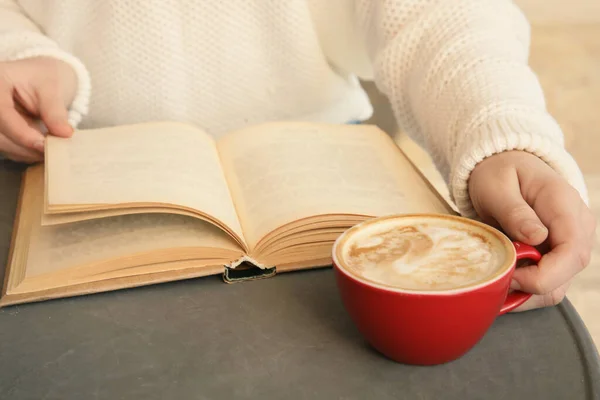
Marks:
<point>245,269</point>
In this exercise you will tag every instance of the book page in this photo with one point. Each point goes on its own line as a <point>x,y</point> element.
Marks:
<point>157,163</point>
<point>58,247</point>
<point>282,172</point>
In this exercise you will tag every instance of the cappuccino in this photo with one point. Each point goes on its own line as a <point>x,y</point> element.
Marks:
<point>423,253</point>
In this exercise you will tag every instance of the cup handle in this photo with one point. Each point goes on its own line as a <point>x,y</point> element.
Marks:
<point>516,298</point>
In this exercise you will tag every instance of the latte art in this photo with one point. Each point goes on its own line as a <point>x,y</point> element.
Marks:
<point>436,255</point>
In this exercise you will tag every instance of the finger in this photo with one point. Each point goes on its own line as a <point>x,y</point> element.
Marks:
<point>547,300</point>
<point>52,110</point>
<point>14,126</point>
<point>18,153</point>
<point>502,200</point>
<point>570,246</point>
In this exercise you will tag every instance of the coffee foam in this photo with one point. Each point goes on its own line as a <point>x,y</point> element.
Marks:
<point>423,254</point>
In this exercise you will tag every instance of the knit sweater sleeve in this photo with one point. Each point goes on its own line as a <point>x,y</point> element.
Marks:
<point>20,38</point>
<point>457,76</point>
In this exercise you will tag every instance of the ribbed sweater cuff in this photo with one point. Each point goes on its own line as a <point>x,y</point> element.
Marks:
<point>79,106</point>
<point>517,131</point>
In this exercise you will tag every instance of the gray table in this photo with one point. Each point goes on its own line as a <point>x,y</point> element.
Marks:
<point>287,337</point>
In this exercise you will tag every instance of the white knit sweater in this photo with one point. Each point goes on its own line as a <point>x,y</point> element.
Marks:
<point>455,71</point>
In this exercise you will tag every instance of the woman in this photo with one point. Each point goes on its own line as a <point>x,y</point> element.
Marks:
<point>455,72</point>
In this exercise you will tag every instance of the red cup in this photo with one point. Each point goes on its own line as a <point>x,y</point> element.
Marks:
<point>429,327</point>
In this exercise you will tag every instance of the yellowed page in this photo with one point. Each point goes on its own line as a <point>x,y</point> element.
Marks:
<point>56,248</point>
<point>282,172</point>
<point>158,163</point>
<point>67,218</point>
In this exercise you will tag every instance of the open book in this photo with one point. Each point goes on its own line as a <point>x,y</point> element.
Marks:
<point>147,203</point>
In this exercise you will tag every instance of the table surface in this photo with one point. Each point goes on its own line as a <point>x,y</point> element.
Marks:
<point>283,337</point>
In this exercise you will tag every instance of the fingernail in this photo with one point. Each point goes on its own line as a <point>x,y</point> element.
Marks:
<point>531,228</point>
<point>60,128</point>
<point>514,285</point>
<point>39,146</point>
<point>42,127</point>
<point>66,128</point>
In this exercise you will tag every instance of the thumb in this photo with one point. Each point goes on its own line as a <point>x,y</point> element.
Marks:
<point>53,111</point>
<point>501,200</point>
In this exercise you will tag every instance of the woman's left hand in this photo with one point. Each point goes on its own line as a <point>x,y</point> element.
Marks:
<point>533,204</point>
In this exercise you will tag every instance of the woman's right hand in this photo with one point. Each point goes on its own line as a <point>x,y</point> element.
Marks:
<point>34,96</point>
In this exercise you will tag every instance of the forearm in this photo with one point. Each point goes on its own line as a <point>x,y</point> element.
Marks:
<point>456,74</point>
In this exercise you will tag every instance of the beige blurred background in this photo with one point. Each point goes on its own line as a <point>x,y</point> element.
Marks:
<point>565,53</point>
